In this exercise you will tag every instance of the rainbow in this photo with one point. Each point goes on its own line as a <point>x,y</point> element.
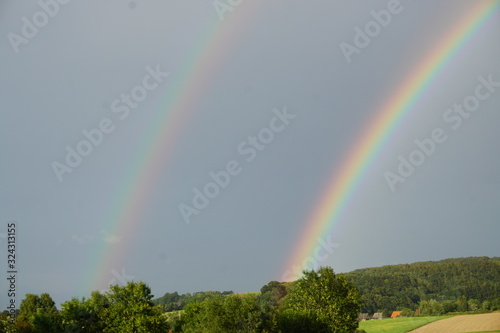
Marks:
<point>186,88</point>
<point>345,180</point>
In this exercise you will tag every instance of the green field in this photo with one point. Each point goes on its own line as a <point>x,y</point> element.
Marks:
<point>396,325</point>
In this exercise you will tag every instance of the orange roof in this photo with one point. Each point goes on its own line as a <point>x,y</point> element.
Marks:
<point>396,313</point>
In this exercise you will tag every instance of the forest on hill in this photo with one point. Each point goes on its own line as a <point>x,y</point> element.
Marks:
<point>458,284</point>
<point>449,285</point>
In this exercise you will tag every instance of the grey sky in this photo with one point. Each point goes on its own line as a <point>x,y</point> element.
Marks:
<point>285,54</point>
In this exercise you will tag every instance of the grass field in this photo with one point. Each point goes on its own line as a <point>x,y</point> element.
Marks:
<point>396,325</point>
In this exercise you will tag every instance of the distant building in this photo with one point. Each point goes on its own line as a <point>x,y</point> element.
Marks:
<point>396,314</point>
<point>363,317</point>
<point>377,315</point>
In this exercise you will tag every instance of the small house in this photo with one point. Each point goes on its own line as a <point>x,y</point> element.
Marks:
<point>363,317</point>
<point>396,314</point>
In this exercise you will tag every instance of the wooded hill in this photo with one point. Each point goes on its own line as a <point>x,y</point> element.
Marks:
<point>459,284</point>
<point>475,279</point>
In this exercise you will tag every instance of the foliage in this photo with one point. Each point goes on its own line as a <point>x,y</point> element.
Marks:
<point>396,287</point>
<point>6,326</point>
<point>462,304</point>
<point>219,313</point>
<point>321,301</point>
<point>407,312</point>
<point>174,320</point>
<point>273,293</point>
<point>38,314</point>
<point>85,315</point>
<point>431,308</point>
<point>130,309</point>
<point>122,309</point>
<point>175,302</point>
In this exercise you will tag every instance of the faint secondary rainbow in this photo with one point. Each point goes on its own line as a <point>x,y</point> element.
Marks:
<point>346,179</point>
<point>184,90</point>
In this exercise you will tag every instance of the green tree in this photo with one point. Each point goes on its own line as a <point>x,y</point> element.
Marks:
<point>28,308</point>
<point>449,306</point>
<point>431,308</point>
<point>6,326</point>
<point>38,314</point>
<point>271,296</point>
<point>473,305</point>
<point>462,304</point>
<point>174,320</point>
<point>226,314</point>
<point>74,316</point>
<point>486,306</point>
<point>130,309</point>
<point>272,293</point>
<point>407,312</point>
<point>495,304</point>
<point>321,301</point>
<point>84,315</point>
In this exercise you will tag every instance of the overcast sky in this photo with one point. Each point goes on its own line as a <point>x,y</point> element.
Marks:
<point>234,70</point>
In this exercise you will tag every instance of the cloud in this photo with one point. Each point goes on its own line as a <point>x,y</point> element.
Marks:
<point>84,239</point>
<point>110,238</point>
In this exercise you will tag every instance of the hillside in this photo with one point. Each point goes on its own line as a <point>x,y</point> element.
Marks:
<point>474,281</point>
<point>459,284</point>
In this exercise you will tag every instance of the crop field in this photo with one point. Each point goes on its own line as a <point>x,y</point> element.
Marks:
<point>467,323</point>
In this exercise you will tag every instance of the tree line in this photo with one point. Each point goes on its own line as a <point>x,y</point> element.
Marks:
<point>321,301</point>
